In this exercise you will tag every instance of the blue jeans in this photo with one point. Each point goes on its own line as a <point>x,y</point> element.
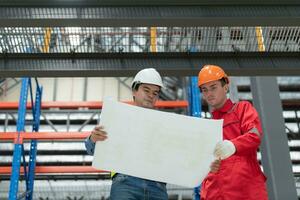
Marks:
<point>125,187</point>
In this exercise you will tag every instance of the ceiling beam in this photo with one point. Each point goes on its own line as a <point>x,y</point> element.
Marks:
<point>144,16</point>
<point>142,2</point>
<point>127,64</point>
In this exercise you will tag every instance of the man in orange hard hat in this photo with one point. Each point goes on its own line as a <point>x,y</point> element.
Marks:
<point>239,175</point>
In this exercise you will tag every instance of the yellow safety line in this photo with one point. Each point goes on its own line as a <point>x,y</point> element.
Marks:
<point>260,39</point>
<point>153,37</point>
<point>47,38</point>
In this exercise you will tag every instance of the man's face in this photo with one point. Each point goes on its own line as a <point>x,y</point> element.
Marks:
<point>146,95</point>
<point>214,93</point>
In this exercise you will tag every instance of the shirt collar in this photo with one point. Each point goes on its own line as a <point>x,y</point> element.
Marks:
<point>226,107</point>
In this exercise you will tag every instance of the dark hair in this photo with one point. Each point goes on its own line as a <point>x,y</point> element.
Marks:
<point>135,86</point>
<point>223,81</point>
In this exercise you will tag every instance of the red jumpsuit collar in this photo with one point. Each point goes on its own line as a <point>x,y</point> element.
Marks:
<point>226,107</point>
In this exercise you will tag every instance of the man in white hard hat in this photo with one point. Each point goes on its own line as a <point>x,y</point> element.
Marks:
<point>146,86</point>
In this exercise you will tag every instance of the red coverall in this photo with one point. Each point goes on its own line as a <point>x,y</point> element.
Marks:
<point>239,176</point>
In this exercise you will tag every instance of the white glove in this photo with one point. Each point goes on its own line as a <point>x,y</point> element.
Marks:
<point>224,149</point>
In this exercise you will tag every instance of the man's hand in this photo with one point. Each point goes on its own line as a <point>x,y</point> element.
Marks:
<point>98,134</point>
<point>215,166</point>
<point>224,149</point>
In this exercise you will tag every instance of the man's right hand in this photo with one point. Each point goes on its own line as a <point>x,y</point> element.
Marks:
<point>215,166</point>
<point>98,134</point>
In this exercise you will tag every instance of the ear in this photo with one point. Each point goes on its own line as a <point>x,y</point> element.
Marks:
<point>226,88</point>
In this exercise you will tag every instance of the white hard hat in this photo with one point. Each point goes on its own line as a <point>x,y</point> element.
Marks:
<point>149,76</point>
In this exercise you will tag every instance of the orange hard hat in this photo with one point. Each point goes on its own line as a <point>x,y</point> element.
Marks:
<point>210,73</point>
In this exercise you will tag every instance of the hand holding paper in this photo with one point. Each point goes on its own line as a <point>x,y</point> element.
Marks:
<point>98,134</point>
<point>224,149</point>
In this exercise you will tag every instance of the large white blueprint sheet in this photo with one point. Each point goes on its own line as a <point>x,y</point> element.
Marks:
<point>156,145</point>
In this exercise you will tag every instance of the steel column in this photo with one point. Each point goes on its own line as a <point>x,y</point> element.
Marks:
<point>33,145</point>
<point>274,148</point>
<point>14,180</point>
<point>195,108</point>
